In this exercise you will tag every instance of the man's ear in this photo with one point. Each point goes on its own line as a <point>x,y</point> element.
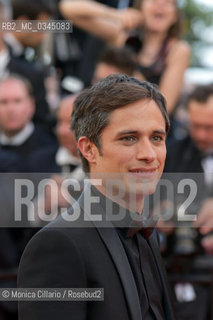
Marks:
<point>88,149</point>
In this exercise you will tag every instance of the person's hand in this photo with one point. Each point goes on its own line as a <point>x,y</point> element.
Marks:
<point>130,18</point>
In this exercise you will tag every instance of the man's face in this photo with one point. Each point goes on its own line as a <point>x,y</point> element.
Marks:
<point>65,137</point>
<point>133,147</point>
<point>201,124</point>
<point>16,106</point>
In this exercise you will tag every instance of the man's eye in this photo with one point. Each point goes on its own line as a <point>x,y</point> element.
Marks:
<point>128,138</point>
<point>157,138</point>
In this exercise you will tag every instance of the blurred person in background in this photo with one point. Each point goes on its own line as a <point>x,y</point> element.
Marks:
<point>15,45</point>
<point>161,55</point>
<point>4,57</point>
<point>19,139</point>
<point>17,131</point>
<point>27,10</point>
<point>61,162</point>
<point>192,158</point>
<point>115,60</point>
<point>63,156</point>
<point>16,108</point>
<point>76,53</point>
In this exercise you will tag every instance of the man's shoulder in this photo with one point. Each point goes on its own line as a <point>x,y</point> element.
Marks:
<point>72,222</point>
<point>79,223</point>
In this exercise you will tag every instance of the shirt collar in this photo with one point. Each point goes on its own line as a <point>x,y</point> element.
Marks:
<point>19,138</point>
<point>131,223</point>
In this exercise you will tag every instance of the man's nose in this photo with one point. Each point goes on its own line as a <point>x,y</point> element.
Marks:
<point>146,151</point>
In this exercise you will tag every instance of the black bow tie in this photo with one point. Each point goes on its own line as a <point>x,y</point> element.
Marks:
<point>146,232</point>
<point>145,229</point>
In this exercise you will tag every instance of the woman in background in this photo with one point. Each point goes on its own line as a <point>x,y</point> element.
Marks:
<point>153,31</point>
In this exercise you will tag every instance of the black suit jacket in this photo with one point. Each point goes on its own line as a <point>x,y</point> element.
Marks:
<point>83,254</point>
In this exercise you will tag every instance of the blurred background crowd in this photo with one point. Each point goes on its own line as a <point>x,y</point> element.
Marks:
<point>166,42</point>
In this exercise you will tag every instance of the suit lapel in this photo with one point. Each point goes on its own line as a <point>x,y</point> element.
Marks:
<point>168,307</point>
<point>113,243</point>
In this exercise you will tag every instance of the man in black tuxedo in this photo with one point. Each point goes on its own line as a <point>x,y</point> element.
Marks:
<point>103,240</point>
